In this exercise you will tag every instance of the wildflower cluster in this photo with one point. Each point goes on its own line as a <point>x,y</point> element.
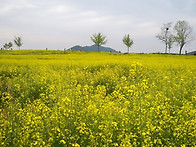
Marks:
<point>61,102</point>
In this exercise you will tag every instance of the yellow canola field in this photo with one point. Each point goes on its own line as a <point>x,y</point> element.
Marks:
<point>97,99</point>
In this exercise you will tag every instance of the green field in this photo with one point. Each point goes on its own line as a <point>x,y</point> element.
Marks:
<point>56,98</point>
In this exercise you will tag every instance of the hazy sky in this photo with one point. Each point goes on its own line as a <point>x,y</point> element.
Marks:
<point>59,24</point>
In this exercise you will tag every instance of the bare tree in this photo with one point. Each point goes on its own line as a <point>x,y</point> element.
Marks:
<point>183,34</point>
<point>165,34</point>
<point>99,39</point>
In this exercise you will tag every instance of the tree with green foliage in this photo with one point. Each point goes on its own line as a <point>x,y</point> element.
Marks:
<point>165,35</point>
<point>170,42</point>
<point>18,41</point>
<point>127,41</point>
<point>99,39</point>
<point>183,33</point>
<point>7,45</point>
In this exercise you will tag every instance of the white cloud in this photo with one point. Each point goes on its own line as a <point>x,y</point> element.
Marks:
<point>13,6</point>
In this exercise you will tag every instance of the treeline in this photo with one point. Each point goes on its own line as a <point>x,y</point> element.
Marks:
<point>17,42</point>
<point>182,34</point>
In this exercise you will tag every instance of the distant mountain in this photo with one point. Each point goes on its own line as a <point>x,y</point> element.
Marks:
<point>192,53</point>
<point>92,48</point>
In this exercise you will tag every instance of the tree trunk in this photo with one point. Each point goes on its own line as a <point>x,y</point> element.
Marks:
<point>166,37</point>
<point>98,48</point>
<point>128,50</point>
<point>166,48</point>
<point>181,49</point>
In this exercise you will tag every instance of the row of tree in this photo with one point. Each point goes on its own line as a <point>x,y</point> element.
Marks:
<point>100,39</point>
<point>17,41</point>
<point>181,34</point>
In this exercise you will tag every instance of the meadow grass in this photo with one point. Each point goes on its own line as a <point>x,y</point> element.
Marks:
<point>57,98</point>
